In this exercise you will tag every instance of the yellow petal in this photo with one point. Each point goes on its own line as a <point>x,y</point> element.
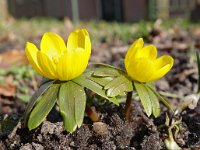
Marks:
<point>52,44</point>
<point>138,44</point>
<point>140,69</point>
<point>64,68</point>
<point>162,65</point>
<point>79,39</point>
<point>74,62</point>
<point>56,61</point>
<point>149,52</point>
<point>88,45</point>
<point>47,65</point>
<point>31,53</point>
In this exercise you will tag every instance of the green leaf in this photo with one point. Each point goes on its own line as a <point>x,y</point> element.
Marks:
<point>198,64</point>
<point>35,96</point>
<point>144,97</point>
<point>23,89</point>
<point>44,105</point>
<point>72,103</point>
<point>115,81</point>
<point>93,86</point>
<point>105,65</point>
<point>24,97</point>
<point>151,84</point>
<point>161,98</point>
<point>106,72</point>
<point>119,85</point>
<point>89,74</point>
<point>101,80</point>
<point>154,102</point>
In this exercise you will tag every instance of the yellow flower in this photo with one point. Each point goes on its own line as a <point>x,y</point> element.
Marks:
<point>142,64</point>
<point>57,60</point>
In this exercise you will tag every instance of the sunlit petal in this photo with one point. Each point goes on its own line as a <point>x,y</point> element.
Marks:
<point>142,65</point>
<point>147,52</point>
<point>47,65</point>
<point>52,44</point>
<point>64,67</point>
<point>57,61</point>
<point>162,66</point>
<point>140,69</point>
<point>79,39</point>
<point>163,60</point>
<point>73,68</point>
<point>31,53</point>
<point>138,44</point>
<point>88,45</point>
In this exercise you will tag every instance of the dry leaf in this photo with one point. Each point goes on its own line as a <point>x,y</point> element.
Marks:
<point>4,38</point>
<point>7,89</point>
<point>12,58</point>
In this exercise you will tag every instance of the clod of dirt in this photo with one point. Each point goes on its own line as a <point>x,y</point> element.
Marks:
<point>32,146</point>
<point>51,128</point>
<point>100,128</point>
<point>151,142</point>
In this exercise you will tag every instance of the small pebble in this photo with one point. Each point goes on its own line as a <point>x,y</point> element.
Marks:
<point>100,128</point>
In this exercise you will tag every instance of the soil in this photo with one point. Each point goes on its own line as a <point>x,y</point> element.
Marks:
<point>113,132</point>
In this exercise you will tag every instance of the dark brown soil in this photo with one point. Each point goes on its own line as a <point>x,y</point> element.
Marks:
<point>113,132</point>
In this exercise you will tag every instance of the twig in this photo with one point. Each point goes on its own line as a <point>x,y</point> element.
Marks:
<point>128,106</point>
<point>92,114</point>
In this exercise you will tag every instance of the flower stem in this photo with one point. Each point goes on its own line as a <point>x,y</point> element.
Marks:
<point>92,114</point>
<point>127,110</point>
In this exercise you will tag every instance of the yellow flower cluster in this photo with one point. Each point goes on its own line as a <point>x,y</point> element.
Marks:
<point>142,64</point>
<point>57,60</point>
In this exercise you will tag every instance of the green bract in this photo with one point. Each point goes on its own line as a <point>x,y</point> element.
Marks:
<point>71,99</point>
<point>198,65</point>
<point>116,81</point>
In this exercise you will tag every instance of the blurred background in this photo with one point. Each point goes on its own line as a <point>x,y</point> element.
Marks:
<point>109,10</point>
<point>107,20</point>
